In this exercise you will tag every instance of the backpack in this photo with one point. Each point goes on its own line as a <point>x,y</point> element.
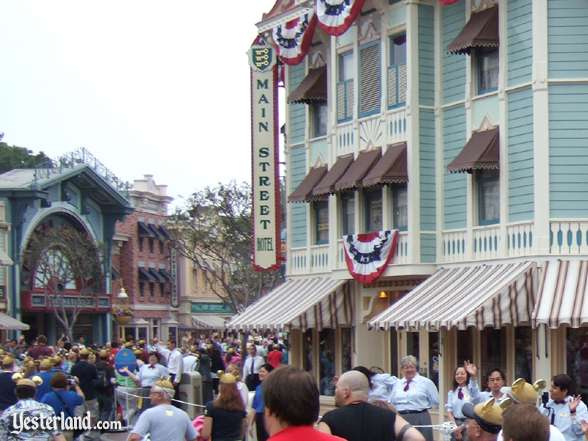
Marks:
<point>103,381</point>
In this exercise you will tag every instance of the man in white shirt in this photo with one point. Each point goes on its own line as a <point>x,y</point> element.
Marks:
<point>251,368</point>
<point>190,360</point>
<point>175,366</point>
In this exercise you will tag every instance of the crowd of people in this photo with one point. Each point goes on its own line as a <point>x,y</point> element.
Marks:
<point>249,392</point>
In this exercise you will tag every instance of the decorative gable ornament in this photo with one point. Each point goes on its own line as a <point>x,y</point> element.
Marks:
<point>293,38</point>
<point>336,16</point>
<point>368,255</point>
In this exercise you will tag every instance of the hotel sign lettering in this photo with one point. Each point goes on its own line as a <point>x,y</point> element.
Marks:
<point>264,139</point>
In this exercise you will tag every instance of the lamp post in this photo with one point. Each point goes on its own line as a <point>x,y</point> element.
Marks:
<point>121,311</point>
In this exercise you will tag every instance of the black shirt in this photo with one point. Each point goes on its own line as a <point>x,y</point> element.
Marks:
<point>226,424</point>
<point>7,386</point>
<point>361,422</point>
<point>88,376</point>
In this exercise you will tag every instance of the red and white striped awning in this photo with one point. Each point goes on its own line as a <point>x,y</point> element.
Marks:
<point>302,303</point>
<point>562,297</point>
<point>464,296</point>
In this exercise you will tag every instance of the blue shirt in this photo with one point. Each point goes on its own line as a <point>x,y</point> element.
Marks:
<point>42,389</point>
<point>559,415</point>
<point>258,405</point>
<point>70,398</point>
<point>421,394</point>
<point>455,404</point>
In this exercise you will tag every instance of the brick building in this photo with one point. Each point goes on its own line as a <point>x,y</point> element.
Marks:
<point>142,263</point>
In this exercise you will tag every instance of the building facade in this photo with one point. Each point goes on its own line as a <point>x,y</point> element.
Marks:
<point>462,126</point>
<point>76,191</point>
<point>145,265</point>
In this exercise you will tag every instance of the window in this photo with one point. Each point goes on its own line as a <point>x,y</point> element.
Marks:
<point>394,352</point>
<point>327,361</point>
<point>488,197</point>
<point>161,247</point>
<point>465,346</point>
<point>152,290</point>
<point>151,242</point>
<point>346,349</point>
<point>142,289</point>
<point>370,80</point>
<point>307,350</point>
<point>345,87</point>
<point>434,358</point>
<point>141,244</point>
<point>523,353</point>
<point>319,113</point>
<point>577,358</point>
<point>397,71</point>
<point>413,344</point>
<point>493,353</point>
<point>399,207</point>
<point>347,214</point>
<point>373,210</point>
<point>162,289</point>
<point>321,212</point>
<point>487,70</point>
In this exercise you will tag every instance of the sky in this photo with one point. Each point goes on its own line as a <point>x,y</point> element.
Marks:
<point>149,87</point>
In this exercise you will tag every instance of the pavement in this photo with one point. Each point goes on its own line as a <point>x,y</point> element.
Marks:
<point>119,436</point>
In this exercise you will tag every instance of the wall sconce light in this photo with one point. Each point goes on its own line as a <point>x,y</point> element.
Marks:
<point>382,295</point>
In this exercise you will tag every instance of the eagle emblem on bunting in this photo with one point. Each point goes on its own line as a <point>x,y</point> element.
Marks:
<point>368,255</point>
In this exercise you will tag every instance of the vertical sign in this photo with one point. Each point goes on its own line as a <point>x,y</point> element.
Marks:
<point>264,152</point>
<point>173,269</point>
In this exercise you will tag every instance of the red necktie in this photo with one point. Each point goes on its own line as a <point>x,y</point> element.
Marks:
<point>151,366</point>
<point>460,394</point>
<point>406,385</point>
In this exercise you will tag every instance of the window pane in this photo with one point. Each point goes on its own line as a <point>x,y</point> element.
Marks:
<point>493,353</point>
<point>412,344</point>
<point>319,120</point>
<point>346,349</point>
<point>434,357</point>
<point>346,66</point>
<point>465,346</point>
<point>398,50</point>
<point>307,350</point>
<point>488,197</point>
<point>399,207</point>
<point>577,359</point>
<point>487,70</point>
<point>523,353</point>
<point>348,214</point>
<point>327,362</point>
<point>373,211</point>
<point>322,222</point>
<point>370,84</point>
<point>394,352</point>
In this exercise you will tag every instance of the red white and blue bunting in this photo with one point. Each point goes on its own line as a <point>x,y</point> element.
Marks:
<point>448,2</point>
<point>368,255</point>
<point>336,16</point>
<point>293,38</point>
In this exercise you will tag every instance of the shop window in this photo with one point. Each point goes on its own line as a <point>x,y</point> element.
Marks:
<point>373,210</point>
<point>493,352</point>
<point>523,353</point>
<point>152,290</point>
<point>319,114</point>
<point>307,351</point>
<point>487,66</point>
<point>141,244</point>
<point>151,243</point>
<point>465,346</point>
<point>434,358</point>
<point>142,333</point>
<point>162,289</point>
<point>399,207</point>
<point>161,247</point>
<point>413,344</point>
<point>346,349</point>
<point>397,71</point>
<point>577,358</point>
<point>488,185</point>
<point>347,214</point>
<point>321,217</point>
<point>370,80</point>
<point>345,87</point>
<point>327,362</point>
<point>142,289</point>
<point>394,352</point>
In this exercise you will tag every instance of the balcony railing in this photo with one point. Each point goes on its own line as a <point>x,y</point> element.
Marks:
<point>520,239</point>
<point>568,237</point>
<point>486,242</point>
<point>454,245</point>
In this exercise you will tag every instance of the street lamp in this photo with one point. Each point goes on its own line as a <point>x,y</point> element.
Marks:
<point>121,311</point>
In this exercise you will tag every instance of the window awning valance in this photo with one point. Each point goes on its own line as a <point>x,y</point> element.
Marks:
<point>145,276</point>
<point>482,152</point>
<point>390,169</point>
<point>312,89</point>
<point>481,31</point>
<point>352,179</point>
<point>304,191</point>
<point>327,184</point>
<point>144,230</point>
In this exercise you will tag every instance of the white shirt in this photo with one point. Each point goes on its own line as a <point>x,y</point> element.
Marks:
<point>190,363</point>
<point>554,435</point>
<point>242,388</point>
<point>175,363</point>
<point>421,394</point>
<point>257,364</point>
<point>148,376</point>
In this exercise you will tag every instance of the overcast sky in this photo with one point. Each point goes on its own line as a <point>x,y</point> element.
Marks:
<point>159,87</point>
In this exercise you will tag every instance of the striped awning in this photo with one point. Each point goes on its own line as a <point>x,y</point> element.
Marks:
<point>480,296</point>
<point>302,303</point>
<point>8,323</point>
<point>562,298</point>
<point>207,321</point>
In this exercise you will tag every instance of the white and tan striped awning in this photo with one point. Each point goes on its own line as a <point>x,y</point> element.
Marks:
<point>562,298</point>
<point>310,302</point>
<point>208,321</point>
<point>8,323</point>
<point>464,296</point>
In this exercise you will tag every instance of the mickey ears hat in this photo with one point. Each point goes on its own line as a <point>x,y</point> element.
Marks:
<point>524,392</point>
<point>488,415</point>
<point>21,380</point>
<point>226,378</point>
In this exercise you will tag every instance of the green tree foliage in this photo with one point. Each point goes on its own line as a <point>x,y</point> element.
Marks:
<point>214,231</point>
<point>12,157</point>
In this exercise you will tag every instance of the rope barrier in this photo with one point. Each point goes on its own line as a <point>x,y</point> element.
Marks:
<point>173,399</point>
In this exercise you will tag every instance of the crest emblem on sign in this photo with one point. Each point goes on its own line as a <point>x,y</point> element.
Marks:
<point>262,58</point>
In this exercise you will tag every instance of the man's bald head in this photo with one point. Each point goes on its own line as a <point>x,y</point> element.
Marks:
<point>351,386</point>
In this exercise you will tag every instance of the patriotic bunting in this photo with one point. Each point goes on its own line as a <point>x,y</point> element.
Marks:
<point>448,2</point>
<point>293,38</point>
<point>368,255</point>
<point>336,16</point>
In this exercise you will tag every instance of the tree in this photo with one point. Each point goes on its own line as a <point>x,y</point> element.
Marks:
<point>214,231</point>
<point>60,259</point>
<point>12,157</point>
